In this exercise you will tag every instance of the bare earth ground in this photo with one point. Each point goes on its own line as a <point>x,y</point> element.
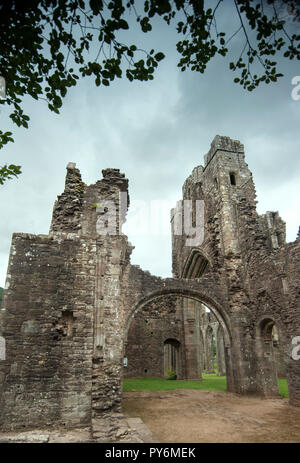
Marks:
<point>209,416</point>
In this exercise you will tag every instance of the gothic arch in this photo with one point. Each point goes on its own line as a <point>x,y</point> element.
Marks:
<point>196,264</point>
<point>183,289</point>
<point>267,370</point>
<point>189,293</point>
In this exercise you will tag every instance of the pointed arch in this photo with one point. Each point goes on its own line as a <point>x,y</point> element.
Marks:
<point>196,264</point>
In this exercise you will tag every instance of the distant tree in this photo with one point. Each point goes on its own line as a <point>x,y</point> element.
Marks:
<point>1,295</point>
<point>44,45</point>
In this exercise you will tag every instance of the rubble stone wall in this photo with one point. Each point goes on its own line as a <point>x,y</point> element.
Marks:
<point>150,328</point>
<point>47,322</point>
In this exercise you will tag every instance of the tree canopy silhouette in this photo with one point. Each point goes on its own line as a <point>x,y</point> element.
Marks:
<point>44,45</point>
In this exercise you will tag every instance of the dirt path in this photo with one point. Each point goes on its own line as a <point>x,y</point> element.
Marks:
<point>208,416</point>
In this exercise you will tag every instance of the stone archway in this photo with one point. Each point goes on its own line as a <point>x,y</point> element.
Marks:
<point>267,377</point>
<point>192,294</point>
<point>188,289</point>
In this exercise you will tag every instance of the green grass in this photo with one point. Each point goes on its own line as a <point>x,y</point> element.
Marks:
<point>283,387</point>
<point>210,382</point>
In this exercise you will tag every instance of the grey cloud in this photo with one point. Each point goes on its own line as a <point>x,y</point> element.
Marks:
<point>155,132</point>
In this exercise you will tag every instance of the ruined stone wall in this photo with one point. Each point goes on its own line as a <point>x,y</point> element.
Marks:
<point>290,278</point>
<point>61,316</point>
<point>111,262</point>
<point>278,354</point>
<point>274,288</point>
<point>271,281</point>
<point>154,324</point>
<point>79,207</point>
<point>220,184</point>
<point>68,208</point>
<point>47,322</point>
<point>249,260</point>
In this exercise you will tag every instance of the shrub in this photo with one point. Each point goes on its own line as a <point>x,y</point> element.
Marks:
<point>170,373</point>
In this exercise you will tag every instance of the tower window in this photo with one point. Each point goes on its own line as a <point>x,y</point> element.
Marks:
<point>232,178</point>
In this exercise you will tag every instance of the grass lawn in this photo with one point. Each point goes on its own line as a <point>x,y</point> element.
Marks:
<point>210,382</point>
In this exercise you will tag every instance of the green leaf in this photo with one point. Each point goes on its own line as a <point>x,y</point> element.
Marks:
<point>96,6</point>
<point>123,24</point>
<point>159,56</point>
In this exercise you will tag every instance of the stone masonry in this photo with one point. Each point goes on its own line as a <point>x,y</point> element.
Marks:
<point>73,301</point>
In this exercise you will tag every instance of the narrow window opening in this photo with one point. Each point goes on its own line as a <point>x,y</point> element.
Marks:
<point>232,179</point>
<point>278,236</point>
<point>67,321</point>
<point>194,214</point>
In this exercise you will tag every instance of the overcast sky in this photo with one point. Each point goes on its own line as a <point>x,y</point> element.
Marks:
<point>156,133</point>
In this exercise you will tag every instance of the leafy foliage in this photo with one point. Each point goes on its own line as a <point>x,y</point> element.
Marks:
<point>170,373</point>
<point>1,295</point>
<point>45,45</point>
<point>7,172</point>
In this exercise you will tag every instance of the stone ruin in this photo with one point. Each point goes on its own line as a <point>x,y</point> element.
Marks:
<point>74,306</point>
<point>160,329</point>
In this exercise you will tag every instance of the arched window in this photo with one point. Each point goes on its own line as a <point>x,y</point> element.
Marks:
<point>271,361</point>
<point>195,266</point>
